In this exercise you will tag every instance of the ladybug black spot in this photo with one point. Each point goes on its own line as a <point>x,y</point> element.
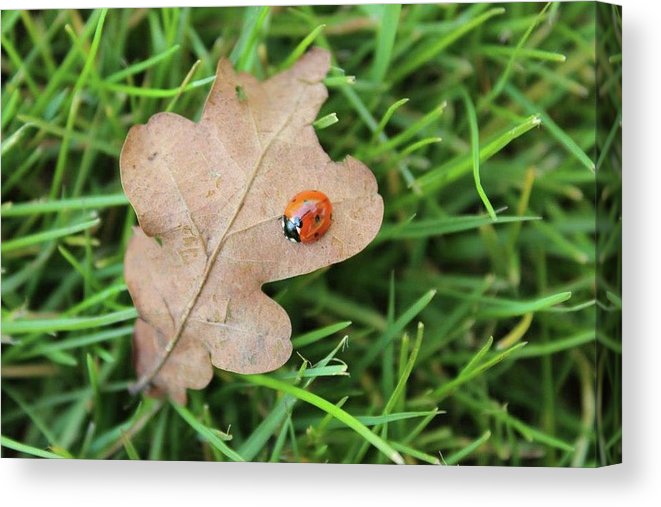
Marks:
<point>317,219</point>
<point>316,234</point>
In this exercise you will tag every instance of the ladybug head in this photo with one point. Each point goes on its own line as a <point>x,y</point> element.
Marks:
<point>292,228</point>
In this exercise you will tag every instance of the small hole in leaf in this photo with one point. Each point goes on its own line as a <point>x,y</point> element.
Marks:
<point>158,240</point>
<point>240,94</point>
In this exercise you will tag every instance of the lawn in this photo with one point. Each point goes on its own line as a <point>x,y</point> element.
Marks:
<point>480,327</point>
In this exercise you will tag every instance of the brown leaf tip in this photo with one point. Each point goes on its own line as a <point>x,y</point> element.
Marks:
<point>313,65</point>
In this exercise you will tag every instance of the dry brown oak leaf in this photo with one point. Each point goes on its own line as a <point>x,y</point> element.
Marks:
<point>209,197</point>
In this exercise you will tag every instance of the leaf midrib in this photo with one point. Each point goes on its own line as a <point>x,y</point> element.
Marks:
<point>145,379</point>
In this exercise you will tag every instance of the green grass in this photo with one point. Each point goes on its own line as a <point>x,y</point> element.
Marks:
<point>464,334</point>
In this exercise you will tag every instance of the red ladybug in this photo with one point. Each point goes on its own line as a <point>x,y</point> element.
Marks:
<point>307,216</point>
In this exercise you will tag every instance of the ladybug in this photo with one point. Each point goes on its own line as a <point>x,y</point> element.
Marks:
<point>307,216</point>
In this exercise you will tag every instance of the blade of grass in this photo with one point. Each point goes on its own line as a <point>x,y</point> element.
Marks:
<point>92,202</point>
<point>419,145</point>
<point>554,346</point>
<point>329,408</point>
<point>447,173</point>
<point>85,139</point>
<point>369,120</point>
<point>406,373</point>
<point>141,66</point>
<point>21,68</point>
<point>390,333</point>
<point>443,226</point>
<point>502,307</point>
<point>95,299</point>
<point>73,108</point>
<point>20,172</point>
<point>318,334</point>
<point>78,342</point>
<point>325,121</point>
<point>429,50</point>
<point>42,237</point>
<point>385,40</point>
<point>449,387</point>
<point>182,87</point>
<point>130,449</point>
<point>502,80</point>
<point>458,456</point>
<point>156,93</point>
<point>477,358</point>
<point>475,150</point>
<point>15,139</point>
<point>56,81</point>
<point>72,324</point>
<point>243,53</point>
<point>516,333</point>
<point>537,54</point>
<point>606,148</point>
<point>398,392</point>
<point>376,421</point>
<point>407,134</point>
<point>324,371</point>
<point>256,441</point>
<point>386,118</point>
<point>300,48</point>
<point>39,41</point>
<point>414,453</point>
<point>27,449</point>
<point>526,431</point>
<point>560,135</point>
<point>206,433</point>
<point>33,414</point>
